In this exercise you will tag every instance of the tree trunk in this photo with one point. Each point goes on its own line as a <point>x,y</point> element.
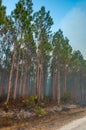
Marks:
<point>3,81</point>
<point>16,80</point>
<point>40,78</point>
<point>24,86</point>
<point>35,82</point>
<point>0,88</point>
<point>42,84</point>
<point>37,78</point>
<point>58,87</point>
<point>65,79</point>
<point>24,80</point>
<point>53,85</point>
<point>21,78</point>
<point>39,82</point>
<point>27,84</point>
<point>10,77</point>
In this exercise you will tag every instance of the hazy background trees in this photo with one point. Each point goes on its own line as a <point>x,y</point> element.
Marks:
<point>33,60</point>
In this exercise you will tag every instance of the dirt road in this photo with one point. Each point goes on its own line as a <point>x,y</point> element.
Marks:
<point>79,124</point>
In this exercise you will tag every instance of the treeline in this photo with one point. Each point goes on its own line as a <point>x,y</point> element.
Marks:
<point>30,54</point>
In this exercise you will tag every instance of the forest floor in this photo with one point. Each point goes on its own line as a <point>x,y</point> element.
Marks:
<point>42,116</point>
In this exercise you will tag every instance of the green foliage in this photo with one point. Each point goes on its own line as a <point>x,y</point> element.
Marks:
<point>43,21</point>
<point>2,13</point>
<point>42,26</point>
<point>32,98</point>
<point>25,102</point>
<point>29,100</point>
<point>76,61</point>
<point>19,29</point>
<point>5,106</point>
<point>40,111</point>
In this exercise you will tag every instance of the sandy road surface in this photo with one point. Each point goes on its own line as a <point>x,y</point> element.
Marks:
<point>79,124</point>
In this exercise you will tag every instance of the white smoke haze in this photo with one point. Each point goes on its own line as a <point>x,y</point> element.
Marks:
<point>74,27</point>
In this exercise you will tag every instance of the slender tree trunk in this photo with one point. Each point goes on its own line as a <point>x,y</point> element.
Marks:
<point>58,87</point>
<point>53,85</point>
<point>0,89</point>
<point>24,80</point>
<point>10,77</point>
<point>81,95</point>
<point>24,86</point>
<point>27,84</point>
<point>35,82</point>
<point>42,84</point>
<point>39,83</point>
<point>38,79</point>
<point>3,81</point>
<point>21,79</point>
<point>16,80</point>
<point>0,83</point>
<point>65,79</point>
<point>37,76</point>
<point>0,79</point>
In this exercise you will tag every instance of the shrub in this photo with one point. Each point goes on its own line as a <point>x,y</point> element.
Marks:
<point>40,111</point>
<point>25,102</point>
<point>5,107</point>
<point>30,100</point>
<point>66,97</point>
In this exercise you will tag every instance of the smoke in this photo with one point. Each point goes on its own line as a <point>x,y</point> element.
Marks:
<point>74,27</point>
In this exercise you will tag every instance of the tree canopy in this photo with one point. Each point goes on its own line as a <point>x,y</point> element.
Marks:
<point>33,59</point>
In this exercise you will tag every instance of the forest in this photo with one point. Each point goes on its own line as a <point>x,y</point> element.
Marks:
<point>34,60</point>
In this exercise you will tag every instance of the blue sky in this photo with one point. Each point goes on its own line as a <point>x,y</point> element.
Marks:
<point>69,15</point>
